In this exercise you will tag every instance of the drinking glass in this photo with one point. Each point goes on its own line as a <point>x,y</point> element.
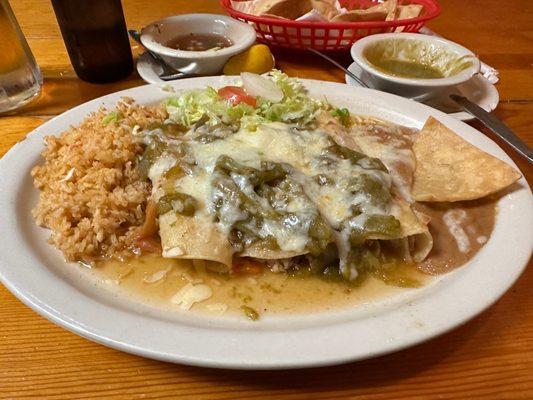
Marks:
<point>20,77</point>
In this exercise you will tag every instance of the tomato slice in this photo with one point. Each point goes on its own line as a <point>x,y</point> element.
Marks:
<point>236,95</point>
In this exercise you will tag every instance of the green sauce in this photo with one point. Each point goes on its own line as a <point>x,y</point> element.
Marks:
<point>408,69</point>
<point>417,59</point>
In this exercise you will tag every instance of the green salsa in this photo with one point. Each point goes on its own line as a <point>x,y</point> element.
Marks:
<point>408,69</point>
<point>407,58</point>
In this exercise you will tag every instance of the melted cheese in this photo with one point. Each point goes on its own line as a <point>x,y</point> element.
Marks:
<point>288,239</point>
<point>394,149</point>
<point>304,153</point>
<point>197,186</point>
<point>160,166</point>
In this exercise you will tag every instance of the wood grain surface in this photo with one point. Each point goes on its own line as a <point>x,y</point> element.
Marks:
<point>489,357</point>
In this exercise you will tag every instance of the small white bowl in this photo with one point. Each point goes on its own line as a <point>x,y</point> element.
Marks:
<point>415,88</point>
<point>210,62</point>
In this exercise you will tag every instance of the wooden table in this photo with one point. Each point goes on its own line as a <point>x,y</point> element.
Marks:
<point>489,357</point>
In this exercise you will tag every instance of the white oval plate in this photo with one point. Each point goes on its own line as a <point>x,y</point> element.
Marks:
<point>34,271</point>
<point>477,89</point>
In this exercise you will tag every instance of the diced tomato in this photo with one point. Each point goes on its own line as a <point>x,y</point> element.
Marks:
<point>244,266</point>
<point>236,95</point>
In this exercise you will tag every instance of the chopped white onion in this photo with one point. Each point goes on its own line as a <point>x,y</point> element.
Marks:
<point>190,294</point>
<point>156,276</point>
<point>259,86</point>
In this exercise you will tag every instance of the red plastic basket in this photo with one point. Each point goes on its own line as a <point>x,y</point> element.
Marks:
<point>330,36</point>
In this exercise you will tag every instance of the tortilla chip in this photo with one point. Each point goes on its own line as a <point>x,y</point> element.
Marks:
<point>381,12</point>
<point>272,16</point>
<point>392,5</point>
<point>408,11</point>
<point>361,15</point>
<point>451,169</point>
<point>243,6</point>
<point>290,9</point>
<point>194,238</point>
<point>325,7</point>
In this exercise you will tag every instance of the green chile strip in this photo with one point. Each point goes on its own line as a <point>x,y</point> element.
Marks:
<point>378,194</point>
<point>267,173</point>
<point>179,202</point>
<point>151,153</point>
<point>319,232</point>
<point>384,225</point>
<point>357,158</point>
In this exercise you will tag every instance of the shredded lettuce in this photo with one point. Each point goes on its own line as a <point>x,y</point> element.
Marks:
<point>296,107</point>
<point>112,116</point>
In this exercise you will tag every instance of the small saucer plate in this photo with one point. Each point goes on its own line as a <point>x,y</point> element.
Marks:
<point>478,90</point>
<point>148,69</point>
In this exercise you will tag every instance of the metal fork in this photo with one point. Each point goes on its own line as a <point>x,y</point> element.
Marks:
<point>331,60</point>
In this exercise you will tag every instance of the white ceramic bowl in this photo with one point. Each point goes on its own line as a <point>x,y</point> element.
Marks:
<point>210,62</point>
<point>415,88</point>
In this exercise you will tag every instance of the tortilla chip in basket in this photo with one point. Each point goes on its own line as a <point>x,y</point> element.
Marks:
<point>381,12</point>
<point>449,168</point>
<point>360,15</point>
<point>408,11</point>
<point>325,7</point>
<point>290,9</point>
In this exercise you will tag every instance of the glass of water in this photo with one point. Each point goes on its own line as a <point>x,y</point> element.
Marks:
<point>20,77</point>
